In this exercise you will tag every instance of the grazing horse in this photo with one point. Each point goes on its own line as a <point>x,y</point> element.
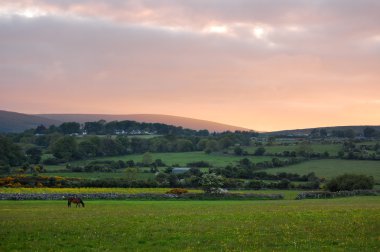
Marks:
<point>75,200</point>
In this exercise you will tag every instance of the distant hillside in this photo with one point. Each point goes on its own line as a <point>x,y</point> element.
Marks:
<point>357,129</point>
<point>18,122</point>
<point>185,122</point>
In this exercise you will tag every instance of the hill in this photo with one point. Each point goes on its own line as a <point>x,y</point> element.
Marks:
<point>185,122</point>
<point>357,129</point>
<point>18,122</point>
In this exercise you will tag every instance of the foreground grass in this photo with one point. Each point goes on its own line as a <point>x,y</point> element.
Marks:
<point>317,225</point>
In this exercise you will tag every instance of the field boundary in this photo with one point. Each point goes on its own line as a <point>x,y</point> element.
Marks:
<point>326,194</point>
<point>140,196</point>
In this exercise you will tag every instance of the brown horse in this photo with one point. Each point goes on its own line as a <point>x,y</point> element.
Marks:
<point>75,200</point>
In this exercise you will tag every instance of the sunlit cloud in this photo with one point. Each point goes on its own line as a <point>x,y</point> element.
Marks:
<point>216,29</point>
<point>29,12</point>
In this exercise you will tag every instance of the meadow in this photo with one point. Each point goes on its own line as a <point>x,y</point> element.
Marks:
<point>331,148</point>
<point>284,225</point>
<point>329,168</point>
<point>182,158</point>
<point>171,159</point>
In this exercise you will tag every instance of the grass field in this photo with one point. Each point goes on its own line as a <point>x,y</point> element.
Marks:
<point>333,167</point>
<point>180,158</point>
<point>346,224</point>
<point>333,149</point>
<point>99,175</point>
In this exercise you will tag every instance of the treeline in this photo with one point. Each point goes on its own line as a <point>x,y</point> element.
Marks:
<point>360,151</point>
<point>367,132</point>
<point>122,127</point>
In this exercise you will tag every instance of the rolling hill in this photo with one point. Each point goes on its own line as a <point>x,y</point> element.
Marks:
<point>185,122</point>
<point>357,129</point>
<point>18,122</point>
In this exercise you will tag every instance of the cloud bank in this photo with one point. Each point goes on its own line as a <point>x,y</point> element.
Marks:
<point>259,64</point>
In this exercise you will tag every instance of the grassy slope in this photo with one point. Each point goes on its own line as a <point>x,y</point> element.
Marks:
<point>309,225</point>
<point>332,167</point>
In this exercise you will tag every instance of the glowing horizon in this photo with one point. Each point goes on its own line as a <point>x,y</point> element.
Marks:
<point>263,66</point>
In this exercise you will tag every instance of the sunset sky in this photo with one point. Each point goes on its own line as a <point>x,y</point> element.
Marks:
<point>263,65</point>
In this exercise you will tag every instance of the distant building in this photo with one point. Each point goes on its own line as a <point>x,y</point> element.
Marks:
<point>180,170</point>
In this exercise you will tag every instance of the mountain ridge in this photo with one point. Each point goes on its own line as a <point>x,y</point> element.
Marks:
<point>14,122</point>
<point>17,122</point>
<point>185,122</point>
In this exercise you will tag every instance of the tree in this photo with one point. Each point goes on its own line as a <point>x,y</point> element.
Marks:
<point>201,145</point>
<point>304,149</point>
<point>369,132</point>
<point>323,132</point>
<point>211,183</point>
<point>34,155</point>
<point>183,145</point>
<point>259,151</point>
<point>41,129</point>
<point>349,133</point>
<point>238,151</point>
<point>211,146</point>
<point>69,127</point>
<point>147,158</point>
<point>10,153</point>
<point>349,182</point>
<point>65,148</point>
<point>131,174</point>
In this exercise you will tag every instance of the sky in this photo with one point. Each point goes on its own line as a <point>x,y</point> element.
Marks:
<point>264,65</point>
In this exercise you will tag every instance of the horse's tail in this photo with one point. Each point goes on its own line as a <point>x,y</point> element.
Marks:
<point>81,201</point>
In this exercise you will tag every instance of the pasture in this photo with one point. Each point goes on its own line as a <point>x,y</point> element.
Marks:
<point>308,225</point>
<point>170,159</point>
<point>332,149</point>
<point>182,158</point>
<point>329,168</point>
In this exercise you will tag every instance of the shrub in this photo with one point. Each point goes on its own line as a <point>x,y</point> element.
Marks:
<point>177,191</point>
<point>349,182</point>
<point>211,183</point>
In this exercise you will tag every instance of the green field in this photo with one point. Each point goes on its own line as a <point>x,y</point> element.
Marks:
<point>99,175</point>
<point>333,149</point>
<point>346,224</point>
<point>329,168</point>
<point>180,158</point>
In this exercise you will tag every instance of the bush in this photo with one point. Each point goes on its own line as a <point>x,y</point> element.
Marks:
<point>177,191</point>
<point>211,183</point>
<point>350,182</point>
